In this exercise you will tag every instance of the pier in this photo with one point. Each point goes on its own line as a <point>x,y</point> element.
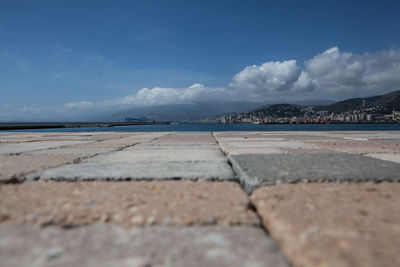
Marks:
<point>200,198</point>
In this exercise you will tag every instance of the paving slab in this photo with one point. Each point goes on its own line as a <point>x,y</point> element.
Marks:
<point>16,148</point>
<point>128,204</point>
<point>13,168</point>
<point>354,146</point>
<point>138,171</point>
<point>82,152</point>
<point>334,224</point>
<point>160,155</point>
<point>106,245</point>
<point>395,157</point>
<point>123,142</point>
<point>261,147</point>
<point>258,170</point>
<point>173,145</point>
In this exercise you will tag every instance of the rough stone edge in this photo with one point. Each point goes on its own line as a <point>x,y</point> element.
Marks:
<point>249,186</point>
<point>37,176</point>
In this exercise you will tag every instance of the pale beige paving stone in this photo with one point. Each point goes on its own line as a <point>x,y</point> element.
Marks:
<point>175,154</point>
<point>120,143</point>
<point>126,203</point>
<point>395,157</point>
<point>356,146</point>
<point>21,147</point>
<point>200,170</point>
<point>15,167</point>
<point>333,224</point>
<point>82,152</point>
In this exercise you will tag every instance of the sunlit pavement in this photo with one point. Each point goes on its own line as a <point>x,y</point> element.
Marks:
<point>200,199</point>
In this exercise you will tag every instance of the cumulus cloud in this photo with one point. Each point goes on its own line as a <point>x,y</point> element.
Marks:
<point>332,74</point>
<point>346,74</point>
<point>269,77</point>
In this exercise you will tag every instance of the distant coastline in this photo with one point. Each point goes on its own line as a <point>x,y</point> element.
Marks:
<point>53,125</point>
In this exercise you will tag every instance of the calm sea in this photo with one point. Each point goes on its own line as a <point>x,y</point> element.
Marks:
<point>231,127</point>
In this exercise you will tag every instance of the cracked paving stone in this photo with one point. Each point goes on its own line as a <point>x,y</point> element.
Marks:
<point>126,203</point>
<point>106,245</point>
<point>333,224</point>
<point>258,170</point>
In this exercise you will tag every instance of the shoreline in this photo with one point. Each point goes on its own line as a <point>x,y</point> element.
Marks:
<point>54,125</point>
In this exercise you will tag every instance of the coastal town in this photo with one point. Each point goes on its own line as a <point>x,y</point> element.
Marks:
<point>290,114</point>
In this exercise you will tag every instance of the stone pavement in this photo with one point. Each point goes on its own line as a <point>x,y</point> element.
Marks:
<point>200,199</point>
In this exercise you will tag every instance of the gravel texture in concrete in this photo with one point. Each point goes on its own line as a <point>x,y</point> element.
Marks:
<point>258,170</point>
<point>102,245</point>
<point>334,224</point>
<point>126,203</point>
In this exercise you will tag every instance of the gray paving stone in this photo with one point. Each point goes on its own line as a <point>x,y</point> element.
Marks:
<point>106,245</point>
<point>160,155</point>
<point>137,171</point>
<point>258,170</point>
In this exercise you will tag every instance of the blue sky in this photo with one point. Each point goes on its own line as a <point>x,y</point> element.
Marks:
<point>54,53</point>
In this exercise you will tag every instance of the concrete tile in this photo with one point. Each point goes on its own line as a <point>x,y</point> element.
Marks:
<point>138,171</point>
<point>334,224</point>
<point>113,143</point>
<point>32,146</point>
<point>78,152</point>
<point>184,145</point>
<point>160,155</point>
<point>257,147</point>
<point>253,150</point>
<point>265,144</point>
<point>385,156</point>
<point>15,167</point>
<point>258,170</point>
<point>126,203</point>
<point>106,245</point>
<point>357,146</point>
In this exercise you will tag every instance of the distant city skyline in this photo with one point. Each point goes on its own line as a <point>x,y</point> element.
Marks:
<point>70,58</point>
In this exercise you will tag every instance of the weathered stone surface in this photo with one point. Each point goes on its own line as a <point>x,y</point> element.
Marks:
<point>386,156</point>
<point>102,245</point>
<point>15,167</point>
<point>160,155</point>
<point>138,171</point>
<point>260,147</point>
<point>126,203</point>
<point>119,143</point>
<point>357,146</point>
<point>257,170</point>
<point>334,224</point>
<point>15,148</point>
<point>79,152</point>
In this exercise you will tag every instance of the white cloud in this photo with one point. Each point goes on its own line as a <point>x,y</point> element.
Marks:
<point>269,77</point>
<point>346,74</point>
<point>332,74</point>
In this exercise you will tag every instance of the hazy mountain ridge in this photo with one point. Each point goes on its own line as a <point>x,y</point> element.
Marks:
<point>390,101</point>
